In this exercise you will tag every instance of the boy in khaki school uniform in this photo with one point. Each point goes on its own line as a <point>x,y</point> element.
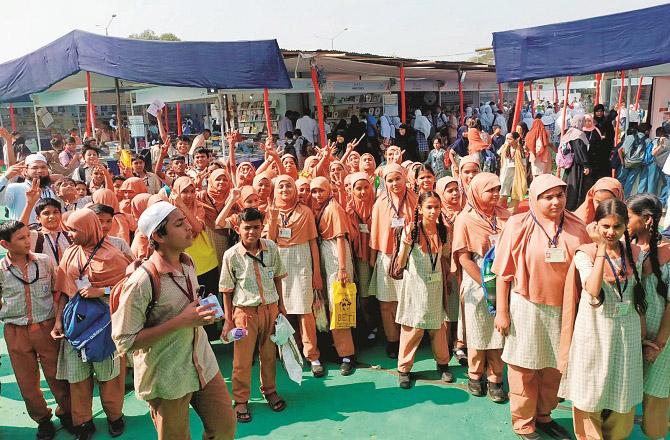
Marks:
<point>174,364</point>
<point>251,275</point>
<point>28,310</point>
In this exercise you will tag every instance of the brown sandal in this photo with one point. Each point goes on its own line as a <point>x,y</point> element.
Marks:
<point>243,416</point>
<point>276,403</point>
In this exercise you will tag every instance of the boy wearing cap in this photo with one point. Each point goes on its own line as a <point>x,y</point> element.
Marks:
<point>31,329</point>
<point>174,363</point>
<point>250,282</point>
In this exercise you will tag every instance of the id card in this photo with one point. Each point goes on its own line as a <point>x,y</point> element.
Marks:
<point>363,228</point>
<point>621,309</point>
<point>555,255</point>
<point>434,277</point>
<point>397,222</point>
<point>212,299</point>
<point>270,273</point>
<point>493,239</point>
<point>284,232</point>
<point>82,283</point>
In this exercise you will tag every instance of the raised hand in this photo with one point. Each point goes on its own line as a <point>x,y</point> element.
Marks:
<point>15,170</point>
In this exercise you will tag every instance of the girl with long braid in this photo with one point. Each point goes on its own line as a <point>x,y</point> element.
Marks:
<point>421,299</point>
<point>602,329</point>
<point>644,214</point>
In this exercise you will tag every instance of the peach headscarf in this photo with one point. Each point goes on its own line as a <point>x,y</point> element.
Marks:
<point>382,234</point>
<point>123,223</point>
<point>464,161</point>
<point>294,215</point>
<point>294,173</point>
<point>178,187</point>
<point>263,203</point>
<point>331,220</point>
<point>473,227</point>
<point>139,203</point>
<point>449,211</point>
<point>521,249</point>
<point>134,184</point>
<point>587,210</point>
<point>108,265</point>
<point>360,212</point>
<point>360,165</point>
<point>475,141</point>
<point>250,176</point>
<point>213,201</point>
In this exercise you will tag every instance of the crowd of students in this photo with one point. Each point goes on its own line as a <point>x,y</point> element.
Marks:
<point>570,292</point>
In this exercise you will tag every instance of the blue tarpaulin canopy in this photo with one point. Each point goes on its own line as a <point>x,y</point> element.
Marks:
<point>219,65</point>
<point>628,40</point>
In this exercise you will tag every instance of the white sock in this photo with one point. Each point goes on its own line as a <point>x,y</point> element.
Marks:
<point>347,360</point>
<point>316,362</point>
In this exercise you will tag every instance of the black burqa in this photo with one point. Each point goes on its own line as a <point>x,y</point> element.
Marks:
<point>408,143</point>
<point>578,182</point>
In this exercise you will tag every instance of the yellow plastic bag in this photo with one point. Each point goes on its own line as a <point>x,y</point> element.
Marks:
<point>343,314</point>
<point>126,158</point>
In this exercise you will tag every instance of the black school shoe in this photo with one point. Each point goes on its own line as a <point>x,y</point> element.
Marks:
<point>45,430</point>
<point>404,380</point>
<point>497,393</point>
<point>477,387</point>
<point>116,427</point>
<point>347,368</point>
<point>461,357</point>
<point>554,430</point>
<point>445,374</point>
<point>85,431</point>
<point>318,370</point>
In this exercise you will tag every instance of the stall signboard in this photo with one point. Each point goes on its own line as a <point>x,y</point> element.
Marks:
<point>137,128</point>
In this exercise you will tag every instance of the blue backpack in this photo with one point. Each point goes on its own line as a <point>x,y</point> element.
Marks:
<point>87,325</point>
<point>489,280</point>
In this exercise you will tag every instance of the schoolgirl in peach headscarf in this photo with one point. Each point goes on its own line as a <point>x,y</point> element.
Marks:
<point>213,200</point>
<point>309,170</point>
<point>238,200</point>
<point>290,165</point>
<point>332,225</point>
<point>391,212</point>
<point>337,174</point>
<point>604,189</point>
<point>533,256</point>
<point>131,187</point>
<point>354,161</point>
<point>89,266</point>
<point>245,174</point>
<point>123,224</point>
<point>359,209</point>
<point>448,190</point>
<point>468,167</point>
<point>475,230</point>
<point>263,186</point>
<point>292,226</point>
<point>304,194</point>
<point>367,164</point>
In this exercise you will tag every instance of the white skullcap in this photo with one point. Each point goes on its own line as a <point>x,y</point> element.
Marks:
<point>153,216</point>
<point>36,157</point>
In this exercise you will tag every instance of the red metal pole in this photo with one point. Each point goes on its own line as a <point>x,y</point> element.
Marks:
<point>599,78</point>
<point>266,106</point>
<point>165,114</point>
<point>565,105</point>
<point>460,100</point>
<point>319,107</point>
<point>518,104</point>
<point>639,90</point>
<point>178,120</point>
<point>618,113</point>
<point>500,97</point>
<point>11,116</point>
<point>403,109</point>
<point>89,113</point>
<point>532,103</point>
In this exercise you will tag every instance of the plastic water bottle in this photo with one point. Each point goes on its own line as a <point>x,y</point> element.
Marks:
<point>234,335</point>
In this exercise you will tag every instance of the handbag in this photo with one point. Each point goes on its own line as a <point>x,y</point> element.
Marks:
<point>319,311</point>
<point>565,156</point>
